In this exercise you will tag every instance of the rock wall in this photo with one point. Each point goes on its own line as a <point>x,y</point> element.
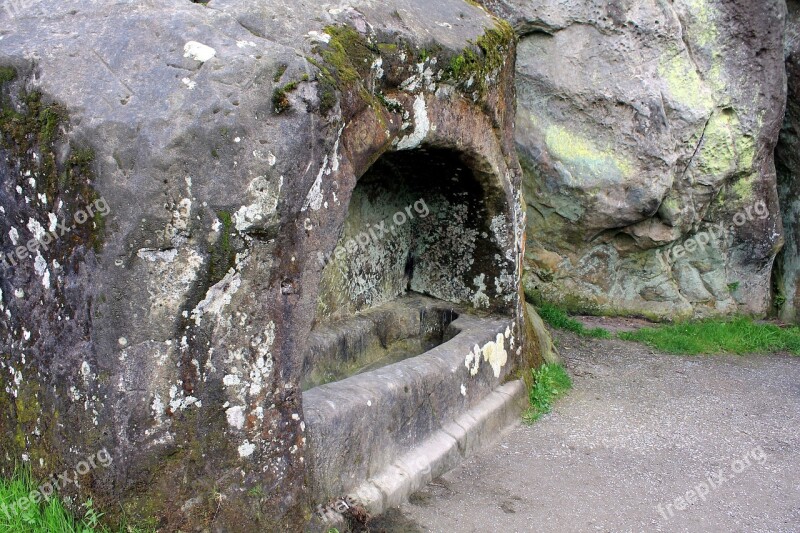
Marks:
<point>646,131</point>
<point>217,146</point>
<point>787,271</point>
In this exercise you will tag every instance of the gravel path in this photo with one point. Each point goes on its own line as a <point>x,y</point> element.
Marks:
<point>639,430</point>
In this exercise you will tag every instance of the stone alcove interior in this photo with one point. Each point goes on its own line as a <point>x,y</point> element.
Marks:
<point>426,238</point>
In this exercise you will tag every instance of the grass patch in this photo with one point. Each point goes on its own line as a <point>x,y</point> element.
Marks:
<point>716,336</point>
<point>19,513</point>
<point>559,319</point>
<point>551,381</point>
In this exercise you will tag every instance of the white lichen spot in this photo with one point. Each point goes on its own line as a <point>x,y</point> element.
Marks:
<point>318,36</point>
<point>235,416</point>
<point>157,407</point>
<point>479,298</point>
<point>463,390</point>
<point>122,341</point>
<point>53,222</point>
<point>473,360</point>
<point>315,196</point>
<point>377,67</point>
<point>246,449</point>
<point>265,194</point>
<point>19,293</point>
<point>422,126</point>
<point>164,256</point>
<point>190,84</point>
<point>36,229</point>
<point>501,230</point>
<point>231,380</point>
<point>40,266</point>
<point>218,296</point>
<point>198,51</point>
<point>179,402</point>
<point>13,235</point>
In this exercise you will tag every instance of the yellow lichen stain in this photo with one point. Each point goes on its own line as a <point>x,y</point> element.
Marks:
<point>744,187</point>
<point>704,23</point>
<point>684,83</point>
<point>495,354</point>
<point>726,148</point>
<point>583,158</point>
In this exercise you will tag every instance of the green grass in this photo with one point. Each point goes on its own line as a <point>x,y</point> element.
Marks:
<point>715,336</point>
<point>559,319</point>
<point>46,516</point>
<point>549,382</point>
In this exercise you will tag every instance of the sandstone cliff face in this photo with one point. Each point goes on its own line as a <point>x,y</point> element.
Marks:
<point>224,141</point>
<point>646,131</point>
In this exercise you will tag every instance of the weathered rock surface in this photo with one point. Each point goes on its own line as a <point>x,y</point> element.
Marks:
<point>787,271</point>
<point>225,140</point>
<point>644,128</point>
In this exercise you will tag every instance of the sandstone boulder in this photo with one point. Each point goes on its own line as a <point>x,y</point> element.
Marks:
<point>646,132</point>
<point>218,146</point>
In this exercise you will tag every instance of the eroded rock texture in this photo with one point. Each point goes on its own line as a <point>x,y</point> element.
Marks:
<point>644,128</point>
<point>226,140</point>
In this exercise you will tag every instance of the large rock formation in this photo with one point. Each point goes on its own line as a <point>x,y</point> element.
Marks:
<point>646,131</point>
<point>194,161</point>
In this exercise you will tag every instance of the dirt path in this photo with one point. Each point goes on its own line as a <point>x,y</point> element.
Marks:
<point>639,429</point>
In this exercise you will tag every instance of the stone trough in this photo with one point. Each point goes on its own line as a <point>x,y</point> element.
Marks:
<point>386,431</point>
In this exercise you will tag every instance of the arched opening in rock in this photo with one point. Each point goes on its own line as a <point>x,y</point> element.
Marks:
<point>427,238</point>
<point>415,330</point>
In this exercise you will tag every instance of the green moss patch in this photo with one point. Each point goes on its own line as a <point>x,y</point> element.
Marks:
<point>223,254</point>
<point>32,134</point>
<point>7,74</point>
<point>476,66</point>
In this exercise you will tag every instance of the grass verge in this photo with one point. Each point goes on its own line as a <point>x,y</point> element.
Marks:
<point>559,319</point>
<point>715,336</point>
<point>551,381</point>
<point>20,514</point>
